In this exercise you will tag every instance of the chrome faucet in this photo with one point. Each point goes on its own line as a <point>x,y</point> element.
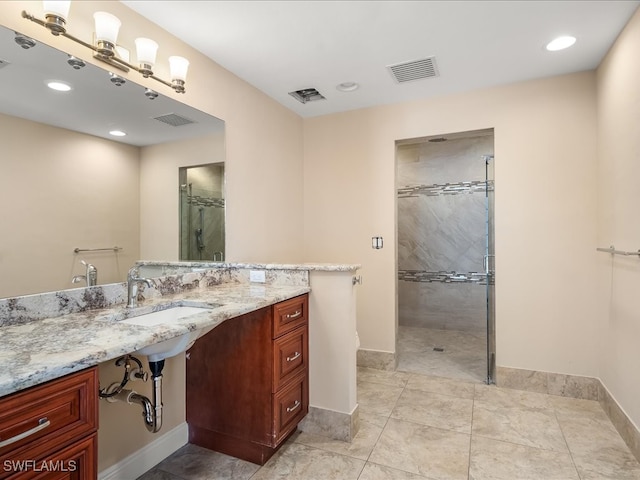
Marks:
<point>90,277</point>
<point>132,286</point>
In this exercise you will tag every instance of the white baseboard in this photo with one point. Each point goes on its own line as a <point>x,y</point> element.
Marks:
<point>139,462</point>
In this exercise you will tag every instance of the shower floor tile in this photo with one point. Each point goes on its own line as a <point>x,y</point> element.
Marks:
<point>463,355</point>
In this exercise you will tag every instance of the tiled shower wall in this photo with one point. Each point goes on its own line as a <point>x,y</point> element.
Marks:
<point>207,194</point>
<point>441,233</point>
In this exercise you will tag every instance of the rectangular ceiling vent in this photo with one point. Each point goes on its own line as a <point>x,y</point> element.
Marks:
<point>307,95</point>
<point>414,70</point>
<point>174,120</point>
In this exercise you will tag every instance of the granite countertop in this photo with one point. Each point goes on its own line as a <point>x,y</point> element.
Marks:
<point>45,349</point>
<point>319,267</point>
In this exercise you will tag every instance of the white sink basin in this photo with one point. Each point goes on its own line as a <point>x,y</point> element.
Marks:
<point>174,346</point>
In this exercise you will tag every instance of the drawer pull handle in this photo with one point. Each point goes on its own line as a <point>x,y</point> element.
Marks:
<point>294,315</point>
<point>295,405</point>
<point>42,424</point>
<point>295,356</point>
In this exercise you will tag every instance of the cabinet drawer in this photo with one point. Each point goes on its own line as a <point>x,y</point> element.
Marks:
<point>289,315</point>
<point>290,404</point>
<point>47,417</point>
<point>77,462</point>
<point>290,356</point>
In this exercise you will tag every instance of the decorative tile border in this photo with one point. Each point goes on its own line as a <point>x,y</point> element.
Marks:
<point>426,276</point>
<point>199,201</point>
<point>435,190</point>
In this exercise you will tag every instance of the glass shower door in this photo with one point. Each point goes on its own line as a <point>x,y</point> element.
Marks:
<point>489,266</point>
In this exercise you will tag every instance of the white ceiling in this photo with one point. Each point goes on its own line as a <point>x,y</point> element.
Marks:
<point>282,46</point>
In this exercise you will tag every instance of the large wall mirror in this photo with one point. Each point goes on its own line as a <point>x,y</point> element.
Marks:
<point>70,192</point>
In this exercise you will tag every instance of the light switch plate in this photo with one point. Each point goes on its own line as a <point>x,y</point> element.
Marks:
<point>257,276</point>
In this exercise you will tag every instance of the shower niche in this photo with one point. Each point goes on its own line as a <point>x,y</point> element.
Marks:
<point>202,213</point>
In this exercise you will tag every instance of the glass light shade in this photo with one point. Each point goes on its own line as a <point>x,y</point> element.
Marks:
<point>57,8</point>
<point>178,67</point>
<point>146,50</point>
<point>107,27</point>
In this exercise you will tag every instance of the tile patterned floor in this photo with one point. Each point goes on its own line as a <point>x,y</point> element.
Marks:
<point>464,356</point>
<point>417,427</point>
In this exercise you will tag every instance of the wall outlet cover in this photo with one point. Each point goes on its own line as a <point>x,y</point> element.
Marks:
<point>257,276</point>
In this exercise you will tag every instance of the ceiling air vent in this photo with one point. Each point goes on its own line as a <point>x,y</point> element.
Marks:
<point>415,70</point>
<point>307,95</point>
<point>174,120</point>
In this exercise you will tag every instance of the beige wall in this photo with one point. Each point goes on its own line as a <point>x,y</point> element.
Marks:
<point>159,193</point>
<point>619,199</point>
<point>60,190</point>
<point>545,173</point>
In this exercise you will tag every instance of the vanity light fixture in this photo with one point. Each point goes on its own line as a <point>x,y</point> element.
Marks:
<point>106,49</point>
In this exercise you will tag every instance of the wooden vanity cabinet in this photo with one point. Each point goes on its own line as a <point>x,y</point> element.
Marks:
<point>247,381</point>
<point>54,425</point>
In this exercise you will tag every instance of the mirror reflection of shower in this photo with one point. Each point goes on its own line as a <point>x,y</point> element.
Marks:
<point>202,212</point>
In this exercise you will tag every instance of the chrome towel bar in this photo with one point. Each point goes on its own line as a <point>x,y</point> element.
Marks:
<point>78,250</point>
<point>612,250</point>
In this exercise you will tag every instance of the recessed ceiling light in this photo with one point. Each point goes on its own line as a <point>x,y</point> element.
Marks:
<point>560,43</point>
<point>117,133</point>
<point>59,86</point>
<point>347,86</point>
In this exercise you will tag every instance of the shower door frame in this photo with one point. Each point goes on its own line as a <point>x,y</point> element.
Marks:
<point>489,265</point>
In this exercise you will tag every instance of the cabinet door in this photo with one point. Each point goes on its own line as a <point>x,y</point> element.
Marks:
<point>290,314</point>
<point>290,356</point>
<point>229,378</point>
<point>290,404</point>
<point>77,462</point>
<point>45,418</point>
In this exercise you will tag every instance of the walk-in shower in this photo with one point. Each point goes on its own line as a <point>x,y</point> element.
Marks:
<point>445,255</point>
<point>202,207</point>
